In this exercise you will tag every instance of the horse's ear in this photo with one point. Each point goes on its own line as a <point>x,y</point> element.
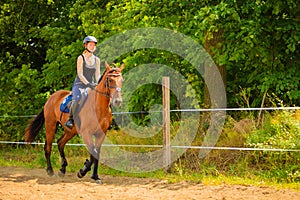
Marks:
<point>106,65</point>
<point>122,66</point>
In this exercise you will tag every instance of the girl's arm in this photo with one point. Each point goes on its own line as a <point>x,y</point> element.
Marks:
<point>97,72</point>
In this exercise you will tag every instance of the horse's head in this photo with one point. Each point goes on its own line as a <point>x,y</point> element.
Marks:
<point>113,82</point>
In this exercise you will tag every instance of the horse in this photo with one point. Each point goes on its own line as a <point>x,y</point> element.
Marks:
<point>92,120</point>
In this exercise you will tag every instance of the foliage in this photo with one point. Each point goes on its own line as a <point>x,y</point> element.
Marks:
<point>260,47</point>
<point>40,42</point>
<point>280,131</point>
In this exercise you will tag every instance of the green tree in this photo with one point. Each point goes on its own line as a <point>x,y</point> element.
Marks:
<point>260,48</point>
<point>257,47</point>
<point>22,58</point>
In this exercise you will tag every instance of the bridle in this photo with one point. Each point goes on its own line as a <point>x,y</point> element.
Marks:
<point>106,83</point>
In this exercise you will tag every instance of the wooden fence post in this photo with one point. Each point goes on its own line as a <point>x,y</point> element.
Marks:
<point>166,123</point>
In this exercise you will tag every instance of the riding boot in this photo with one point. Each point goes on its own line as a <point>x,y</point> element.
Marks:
<point>70,121</point>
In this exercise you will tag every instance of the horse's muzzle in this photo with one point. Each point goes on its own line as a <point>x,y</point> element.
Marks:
<point>117,102</point>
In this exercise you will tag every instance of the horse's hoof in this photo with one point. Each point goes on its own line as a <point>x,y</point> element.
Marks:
<point>50,173</point>
<point>98,181</point>
<point>79,175</point>
<point>61,174</point>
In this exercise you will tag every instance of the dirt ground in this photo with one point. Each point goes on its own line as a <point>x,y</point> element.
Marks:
<point>20,183</point>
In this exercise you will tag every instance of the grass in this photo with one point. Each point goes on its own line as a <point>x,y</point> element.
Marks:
<point>259,168</point>
<point>33,157</point>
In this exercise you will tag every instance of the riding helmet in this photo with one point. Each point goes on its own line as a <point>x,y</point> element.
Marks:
<point>90,39</point>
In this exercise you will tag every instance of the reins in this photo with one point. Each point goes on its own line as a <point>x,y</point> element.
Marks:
<point>106,95</point>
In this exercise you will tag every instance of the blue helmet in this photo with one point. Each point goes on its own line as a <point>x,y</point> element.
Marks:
<point>90,39</point>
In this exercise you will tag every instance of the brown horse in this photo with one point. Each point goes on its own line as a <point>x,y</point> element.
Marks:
<point>92,120</point>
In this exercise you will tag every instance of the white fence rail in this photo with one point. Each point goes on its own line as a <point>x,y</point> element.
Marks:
<point>161,146</point>
<point>182,147</point>
<point>166,128</point>
<point>182,110</point>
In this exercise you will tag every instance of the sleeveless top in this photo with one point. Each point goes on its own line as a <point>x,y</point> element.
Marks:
<point>88,72</point>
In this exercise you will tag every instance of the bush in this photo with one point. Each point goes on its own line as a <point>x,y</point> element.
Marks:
<point>280,130</point>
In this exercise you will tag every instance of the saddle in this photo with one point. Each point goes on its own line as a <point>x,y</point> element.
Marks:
<point>64,106</point>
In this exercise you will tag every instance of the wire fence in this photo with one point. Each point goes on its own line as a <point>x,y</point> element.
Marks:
<point>180,110</point>
<point>180,147</point>
<point>161,146</point>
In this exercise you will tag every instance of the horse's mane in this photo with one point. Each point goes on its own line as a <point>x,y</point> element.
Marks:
<point>102,76</point>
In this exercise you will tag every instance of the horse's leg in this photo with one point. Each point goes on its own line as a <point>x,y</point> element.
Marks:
<point>95,168</point>
<point>86,167</point>
<point>61,145</point>
<point>98,142</point>
<point>87,138</point>
<point>50,132</point>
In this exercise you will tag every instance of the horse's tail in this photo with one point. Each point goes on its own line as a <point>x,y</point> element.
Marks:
<point>34,127</point>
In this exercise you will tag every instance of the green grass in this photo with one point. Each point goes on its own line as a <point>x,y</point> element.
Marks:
<point>33,157</point>
<point>260,168</point>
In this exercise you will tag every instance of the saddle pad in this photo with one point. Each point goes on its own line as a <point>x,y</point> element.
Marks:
<point>64,105</point>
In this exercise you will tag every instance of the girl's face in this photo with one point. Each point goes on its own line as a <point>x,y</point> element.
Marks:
<point>91,46</point>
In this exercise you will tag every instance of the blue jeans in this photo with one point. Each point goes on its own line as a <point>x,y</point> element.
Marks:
<point>76,91</point>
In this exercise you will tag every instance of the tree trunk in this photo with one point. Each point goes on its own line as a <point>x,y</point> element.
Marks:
<point>211,45</point>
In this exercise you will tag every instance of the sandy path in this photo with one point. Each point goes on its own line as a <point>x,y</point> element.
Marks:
<point>20,183</point>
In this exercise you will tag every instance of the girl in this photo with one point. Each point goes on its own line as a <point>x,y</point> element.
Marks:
<point>88,75</point>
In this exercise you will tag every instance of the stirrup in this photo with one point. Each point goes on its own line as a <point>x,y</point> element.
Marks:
<point>70,123</point>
